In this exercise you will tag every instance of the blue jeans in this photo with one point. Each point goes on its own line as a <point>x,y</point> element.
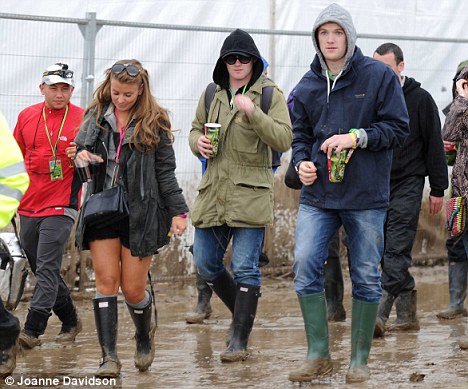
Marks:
<point>210,245</point>
<point>365,231</point>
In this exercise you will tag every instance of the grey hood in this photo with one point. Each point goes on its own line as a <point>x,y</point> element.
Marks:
<point>335,13</point>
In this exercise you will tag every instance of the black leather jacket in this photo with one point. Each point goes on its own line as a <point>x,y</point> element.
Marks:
<point>149,180</point>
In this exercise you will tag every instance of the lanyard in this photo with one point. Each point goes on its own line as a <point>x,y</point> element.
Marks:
<point>122,131</point>
<point>54,148</point>
<point>233,95</point>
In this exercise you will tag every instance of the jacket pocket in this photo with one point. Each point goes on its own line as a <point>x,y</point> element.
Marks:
<point>251,202</point>
<point>244,138</point>
<point>201,206</point>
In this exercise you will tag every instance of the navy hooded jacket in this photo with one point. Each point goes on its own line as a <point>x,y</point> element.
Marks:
<point>366,95</point>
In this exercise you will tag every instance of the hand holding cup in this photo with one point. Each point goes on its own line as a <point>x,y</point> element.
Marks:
<point>71,151</point>
<point>83,161</point>
<point>208,144</point>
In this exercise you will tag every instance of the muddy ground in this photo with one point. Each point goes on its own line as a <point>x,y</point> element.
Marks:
<point>187,356</point>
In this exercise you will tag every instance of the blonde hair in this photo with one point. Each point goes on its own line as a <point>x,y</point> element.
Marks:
<point>149,115</point>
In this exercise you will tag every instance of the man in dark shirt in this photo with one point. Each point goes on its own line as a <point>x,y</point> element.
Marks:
<point>421,155</point>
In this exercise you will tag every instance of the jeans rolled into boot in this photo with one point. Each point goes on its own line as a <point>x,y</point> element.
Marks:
<point>244,315</point>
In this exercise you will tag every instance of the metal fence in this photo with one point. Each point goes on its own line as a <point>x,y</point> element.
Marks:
<point>180,61</point>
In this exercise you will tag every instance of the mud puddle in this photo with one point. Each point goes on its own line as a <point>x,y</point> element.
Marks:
<point>187,356</point>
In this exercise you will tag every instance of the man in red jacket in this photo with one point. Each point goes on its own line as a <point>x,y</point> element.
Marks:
<point>45,133</point>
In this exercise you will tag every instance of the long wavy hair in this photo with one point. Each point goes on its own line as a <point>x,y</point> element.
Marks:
<point>150,117</point>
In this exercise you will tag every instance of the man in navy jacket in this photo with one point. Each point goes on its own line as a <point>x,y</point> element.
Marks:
<point>350,105</point>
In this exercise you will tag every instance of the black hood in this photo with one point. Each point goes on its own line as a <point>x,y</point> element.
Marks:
<point>238,42</point>
<point>409,85</point>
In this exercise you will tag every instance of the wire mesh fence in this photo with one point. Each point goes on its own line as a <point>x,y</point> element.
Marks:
<point>180,61</point>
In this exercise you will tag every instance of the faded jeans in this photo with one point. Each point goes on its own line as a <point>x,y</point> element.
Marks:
<point>365,231</point>
<point>210,245</point>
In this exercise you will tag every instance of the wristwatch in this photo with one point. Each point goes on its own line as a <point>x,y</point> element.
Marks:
<point>296,166</point>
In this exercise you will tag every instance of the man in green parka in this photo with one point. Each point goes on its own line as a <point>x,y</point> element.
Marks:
<point>235,199</point>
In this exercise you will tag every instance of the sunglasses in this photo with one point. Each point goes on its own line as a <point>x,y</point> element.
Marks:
<point>64,72</point>
<point>232,58</point>
<point>132,70</point>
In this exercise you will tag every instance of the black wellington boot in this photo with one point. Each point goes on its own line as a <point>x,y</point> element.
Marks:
<point>457,272</point>
<point>406,310</point>
<point>244,316</point>
<point>225,287</point>
<point>35,325</point>
<point>383,312</point>
<point>71,323</point>
<point>333,282</point>
<point>106,317</point>
<point>144,335</point>
<point>203,309</point>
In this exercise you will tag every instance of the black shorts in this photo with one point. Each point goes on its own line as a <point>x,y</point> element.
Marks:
<point>117,230</point>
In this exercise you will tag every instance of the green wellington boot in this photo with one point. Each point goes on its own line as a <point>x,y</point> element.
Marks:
<point>318,363</point>
<point>362,331</point>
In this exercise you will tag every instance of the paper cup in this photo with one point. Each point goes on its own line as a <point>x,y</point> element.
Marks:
<point>212,133</point>
<point>336,166</point>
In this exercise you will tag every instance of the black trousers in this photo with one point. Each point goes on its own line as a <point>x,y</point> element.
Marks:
<point>456,249</point>
<point>400,232</point>
<point>44,240</point>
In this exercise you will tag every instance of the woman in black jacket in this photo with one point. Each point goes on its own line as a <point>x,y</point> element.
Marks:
<point>129,135</point>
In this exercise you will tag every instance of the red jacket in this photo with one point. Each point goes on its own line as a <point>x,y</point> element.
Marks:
<point>46,197</point>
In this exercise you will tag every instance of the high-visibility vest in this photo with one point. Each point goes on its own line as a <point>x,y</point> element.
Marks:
<point>14,180</point>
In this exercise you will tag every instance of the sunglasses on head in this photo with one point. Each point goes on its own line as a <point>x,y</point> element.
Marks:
<point>232,58</point>
<point>64,72</point>
<point>132,70</point>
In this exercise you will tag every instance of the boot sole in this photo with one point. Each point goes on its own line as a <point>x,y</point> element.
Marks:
<point>325,369</point>
<point>110,371</point>
<point>25,344</point>
<point>143,362</point>
<point>452,315</point>
<point>236,356</point>
<point>357,376</point>
<point>404,327</point>
<point>70,336</point>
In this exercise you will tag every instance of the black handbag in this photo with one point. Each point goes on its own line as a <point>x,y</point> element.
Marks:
<point>291,178</point>
<point>106,207</point>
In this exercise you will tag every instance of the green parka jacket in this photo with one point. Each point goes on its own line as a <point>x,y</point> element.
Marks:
<point>237,187</point>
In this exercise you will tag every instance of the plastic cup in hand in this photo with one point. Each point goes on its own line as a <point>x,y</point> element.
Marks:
<point>336,166</point>
<point>83,170</point>
<point>212,133</point>
<point>96,160</point>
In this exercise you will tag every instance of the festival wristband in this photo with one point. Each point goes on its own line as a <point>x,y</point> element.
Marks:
<point>357,133</point>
